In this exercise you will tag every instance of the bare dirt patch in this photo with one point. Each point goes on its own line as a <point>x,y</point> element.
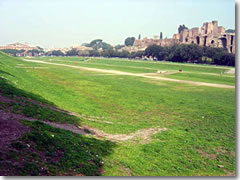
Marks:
<point>11,128</point>
<point>231,71</point>
<point>159,73</point>
<point>143,134</point>
<point>229,173</point>
<point>125,170</point>
<point>90,118</point>
<point>207,155</point>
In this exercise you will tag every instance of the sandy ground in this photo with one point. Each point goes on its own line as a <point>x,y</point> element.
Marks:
<point>134,74</point>
<point>231,71</point>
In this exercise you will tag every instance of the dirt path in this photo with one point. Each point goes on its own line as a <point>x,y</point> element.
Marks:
<point>32,67</point>
<point>231,71</point>
<point>12,128</point>
<point>143,135</point>
<point>137,75</point>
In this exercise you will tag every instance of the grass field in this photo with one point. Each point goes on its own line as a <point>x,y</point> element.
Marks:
<point>200,120</point>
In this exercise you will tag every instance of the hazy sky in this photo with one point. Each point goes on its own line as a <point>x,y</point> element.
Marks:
<point>62,23</point>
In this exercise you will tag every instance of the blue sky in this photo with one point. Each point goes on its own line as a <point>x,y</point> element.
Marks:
<point>62,23</point>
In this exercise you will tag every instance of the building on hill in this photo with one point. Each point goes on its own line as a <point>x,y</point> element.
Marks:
<point>63,50</point>
<point>18,46</point>
<point>210,34</point>
<point>81,48</point>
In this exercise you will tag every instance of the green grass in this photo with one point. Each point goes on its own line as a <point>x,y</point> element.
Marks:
<point>198,118</point>
<point>218,79</point>
<point>138,66</point>
<point>192,72</point>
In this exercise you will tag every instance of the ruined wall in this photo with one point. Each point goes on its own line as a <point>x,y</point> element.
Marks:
<point>210,34</point>
<point>147,42</point>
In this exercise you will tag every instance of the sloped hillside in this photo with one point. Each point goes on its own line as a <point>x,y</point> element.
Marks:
<point>29,142</point>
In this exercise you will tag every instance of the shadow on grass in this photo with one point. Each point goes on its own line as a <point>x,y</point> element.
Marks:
<point>46,150</point>
<point>8,89</point>
<point>3,72</point>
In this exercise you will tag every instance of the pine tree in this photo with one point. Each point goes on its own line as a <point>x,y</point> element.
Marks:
<point>161,35</point>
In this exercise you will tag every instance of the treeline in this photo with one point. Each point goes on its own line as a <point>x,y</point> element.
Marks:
<point>116,53</point>
<point>12,51</point>
<point>105,53</point>
<point>191,53</point>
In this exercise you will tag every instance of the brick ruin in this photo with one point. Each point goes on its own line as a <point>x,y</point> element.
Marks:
<point>210,35</point>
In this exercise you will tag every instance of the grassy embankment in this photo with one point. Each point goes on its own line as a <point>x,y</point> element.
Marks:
<point>200,120</point>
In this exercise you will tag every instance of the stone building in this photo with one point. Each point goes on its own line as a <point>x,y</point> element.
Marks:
<point>210,34</point>
<point>18,46</point>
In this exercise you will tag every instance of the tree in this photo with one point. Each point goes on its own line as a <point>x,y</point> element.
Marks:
<point>99,44</point>
<point>105,46</point>
<point>156,51</point>
<point>129,41</point>
<point>12,51</point>
<point>139,36</point>
<point>119,46</point>
<point>95,42</point>
<point>94,53</point>
<point>34,51</point>
<point>40,49</point>
<point>181,28</point>
<point>230,31</point>
<point>57,53</point>
<point>161,35</point>
<point>72,52</point>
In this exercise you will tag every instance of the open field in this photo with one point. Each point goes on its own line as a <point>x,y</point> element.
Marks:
<point>131,120</point>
